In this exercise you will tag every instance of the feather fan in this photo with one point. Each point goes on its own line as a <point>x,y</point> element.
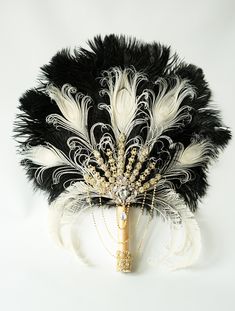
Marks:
<point>122,125</point>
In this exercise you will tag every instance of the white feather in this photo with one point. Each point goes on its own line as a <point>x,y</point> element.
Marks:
<point>47,156</point>
<point>75,243</point>
<point>165,110</point>
<point>122,87</point>
<point>74,108</point>
<point>189,249</point>
<point>185,240</point>
<point>195,153</point>
<point>54,223</point>
<point>62,211</point>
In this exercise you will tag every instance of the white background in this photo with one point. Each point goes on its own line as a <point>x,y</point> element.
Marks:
<point>34,273</point>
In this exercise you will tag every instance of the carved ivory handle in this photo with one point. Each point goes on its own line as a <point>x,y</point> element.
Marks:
<point>124,258</point>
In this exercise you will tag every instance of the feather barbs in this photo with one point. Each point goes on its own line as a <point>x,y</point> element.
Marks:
<point>47,156</point>
<point>122,86</point>
<point>166,111</point>
<point>197,153</point>
<point>73,105</point>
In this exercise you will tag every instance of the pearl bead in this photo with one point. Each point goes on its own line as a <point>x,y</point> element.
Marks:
<point>107,174</point>
<point>96,153</point>
<point>132,178</point>
<point>146,186</point>
<point>120,164</point>
<point>86,177</point>
<point>133,151</point>
<point>144,151</point>
<point>158,177</point>
<point>100,161</point>
<point>103,167</point>
<point>138,183</point>
<point>122,137</point>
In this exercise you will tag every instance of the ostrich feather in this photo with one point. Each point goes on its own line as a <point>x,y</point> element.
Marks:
<point>57,212</point>
<point>66,210</point>
<point>185,240</point>
<point>54,224</point>
<point>185,247</point>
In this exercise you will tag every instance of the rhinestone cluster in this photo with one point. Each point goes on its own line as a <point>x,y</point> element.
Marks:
<point>122,179</point>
